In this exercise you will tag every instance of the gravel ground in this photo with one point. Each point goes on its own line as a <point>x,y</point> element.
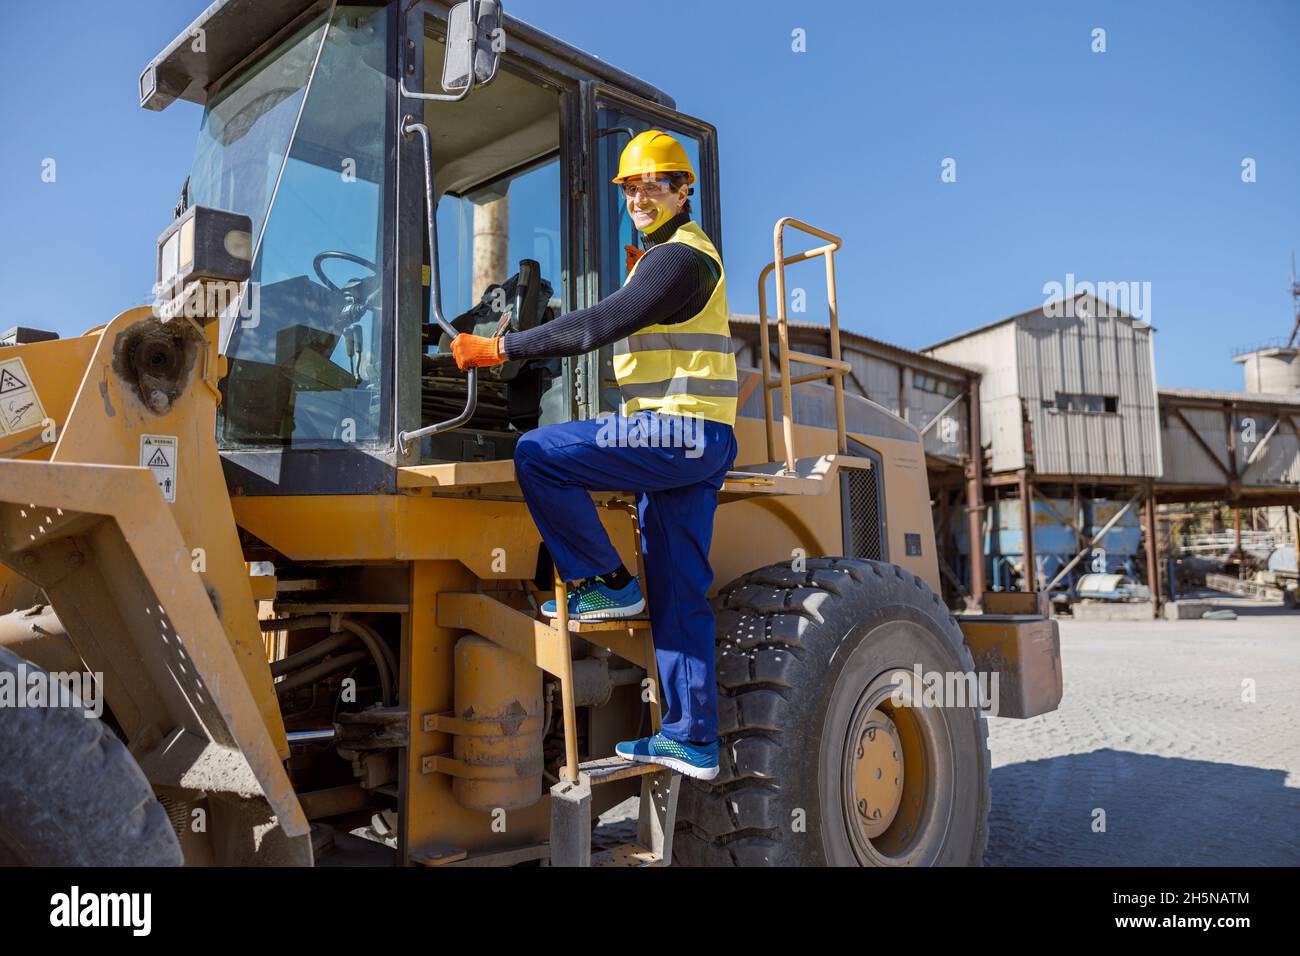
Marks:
<point>1154,731</point>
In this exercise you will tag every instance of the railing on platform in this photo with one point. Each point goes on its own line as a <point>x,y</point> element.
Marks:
<point>833,367</point>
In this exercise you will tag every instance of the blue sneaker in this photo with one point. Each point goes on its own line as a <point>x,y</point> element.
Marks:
<point>593,600</point>
<point>693,760</point>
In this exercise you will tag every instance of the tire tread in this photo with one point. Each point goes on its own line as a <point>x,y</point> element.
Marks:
<point>80,798</point>
<point>775,610</point>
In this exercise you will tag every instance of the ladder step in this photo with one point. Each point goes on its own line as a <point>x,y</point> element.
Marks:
<point>626,854</point>
<point>621,624</point>
<point>610,769</point>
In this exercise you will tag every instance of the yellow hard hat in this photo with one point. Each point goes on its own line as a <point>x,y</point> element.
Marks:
<point>651,153</point>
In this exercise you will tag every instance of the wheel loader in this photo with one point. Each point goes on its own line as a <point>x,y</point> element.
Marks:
<point>278,531</point>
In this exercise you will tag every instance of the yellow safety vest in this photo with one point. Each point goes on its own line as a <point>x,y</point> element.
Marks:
<point>687,368</point>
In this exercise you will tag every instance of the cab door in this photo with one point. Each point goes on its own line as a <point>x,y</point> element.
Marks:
<point>613,118</point>
<point>502,176</point>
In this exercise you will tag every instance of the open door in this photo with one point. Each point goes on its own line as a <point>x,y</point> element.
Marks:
<point>615,117</point>
<point>501,187</point>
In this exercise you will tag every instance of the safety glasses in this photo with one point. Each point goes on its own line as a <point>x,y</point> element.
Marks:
<point>652,188</point>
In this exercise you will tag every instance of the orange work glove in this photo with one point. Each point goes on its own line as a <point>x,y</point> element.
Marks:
<point>475,351</point>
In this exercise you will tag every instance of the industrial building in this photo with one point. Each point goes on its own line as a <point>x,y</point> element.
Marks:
<point>1067,390</point>
<point>1230,446</point>
<point>1065,410</point>
<point>1069,422</point>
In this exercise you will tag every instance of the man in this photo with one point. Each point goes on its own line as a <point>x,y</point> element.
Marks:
<point>672,444</point>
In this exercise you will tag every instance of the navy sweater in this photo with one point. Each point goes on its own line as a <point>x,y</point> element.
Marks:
<point>671,284</point>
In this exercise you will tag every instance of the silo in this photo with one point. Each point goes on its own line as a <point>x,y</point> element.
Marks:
<point>1274,370</point>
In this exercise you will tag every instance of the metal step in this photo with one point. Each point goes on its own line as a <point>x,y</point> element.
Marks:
<point>626,854</point>
<point>610,769</point>
<point>571,817</point>
<point>620,624</point>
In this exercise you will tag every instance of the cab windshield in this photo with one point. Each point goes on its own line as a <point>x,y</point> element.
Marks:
<point>246,128</point>
<point>300,144</point>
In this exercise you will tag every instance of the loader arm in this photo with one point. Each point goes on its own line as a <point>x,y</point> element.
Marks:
<point>144,569</point>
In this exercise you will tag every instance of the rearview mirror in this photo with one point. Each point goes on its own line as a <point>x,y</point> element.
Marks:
<point>473,42</point>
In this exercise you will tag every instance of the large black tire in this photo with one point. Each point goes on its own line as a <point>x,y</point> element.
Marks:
<point>71,794</point>
<point>796,654</point>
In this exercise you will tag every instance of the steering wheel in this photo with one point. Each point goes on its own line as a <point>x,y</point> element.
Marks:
<point>346,256</point>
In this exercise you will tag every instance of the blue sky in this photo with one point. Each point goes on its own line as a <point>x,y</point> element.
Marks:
<point>1122,166</point>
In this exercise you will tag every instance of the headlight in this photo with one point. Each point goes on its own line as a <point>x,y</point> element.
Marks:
<point>203,246</point>
<point>168,261</point>
<point>186,255</point>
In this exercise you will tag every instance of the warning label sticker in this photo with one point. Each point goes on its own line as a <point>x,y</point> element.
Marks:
<point>158,454</point>
<point>20,407</point>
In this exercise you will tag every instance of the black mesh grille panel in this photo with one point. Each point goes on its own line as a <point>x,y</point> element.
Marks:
<point>865,537</point>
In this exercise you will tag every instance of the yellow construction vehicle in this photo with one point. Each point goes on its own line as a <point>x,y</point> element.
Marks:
<point>283,530</point>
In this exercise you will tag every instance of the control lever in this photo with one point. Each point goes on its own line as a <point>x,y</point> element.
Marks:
<point>526,291</point>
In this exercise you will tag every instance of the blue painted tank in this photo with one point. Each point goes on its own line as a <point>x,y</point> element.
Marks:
<point>1055,543</point>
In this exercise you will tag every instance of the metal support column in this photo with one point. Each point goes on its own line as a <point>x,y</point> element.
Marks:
<point>1153,549</point>
<point>571,822</point>
<point>1027,528</point>
<point>975,496</point>
<point>1236,525</point>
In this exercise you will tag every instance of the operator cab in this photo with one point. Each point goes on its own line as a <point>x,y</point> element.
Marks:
<point>339,370</point>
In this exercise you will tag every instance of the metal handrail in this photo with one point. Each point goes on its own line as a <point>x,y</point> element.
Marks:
<point>1276,342</point>
<point>835,366</point>
<point>404,439</point>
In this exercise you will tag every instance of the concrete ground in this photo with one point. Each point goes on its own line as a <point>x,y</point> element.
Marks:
<point>1157,730</point>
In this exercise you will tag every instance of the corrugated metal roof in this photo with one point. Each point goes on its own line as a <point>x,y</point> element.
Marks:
<point>1112,312</point>
<point>847,336</point>
<point>1211,395</point>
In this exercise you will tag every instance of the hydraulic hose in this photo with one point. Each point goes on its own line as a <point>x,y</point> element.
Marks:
<point>309,655</point>
<point>309,675</point>
<point>382,655</point>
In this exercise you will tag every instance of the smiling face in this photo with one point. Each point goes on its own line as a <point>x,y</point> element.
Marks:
<point>653,202</point>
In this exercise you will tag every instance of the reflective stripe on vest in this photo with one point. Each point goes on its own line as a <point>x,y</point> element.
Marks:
<point>682,384</point>
<point>681,341</point>
<point>684,368</point>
